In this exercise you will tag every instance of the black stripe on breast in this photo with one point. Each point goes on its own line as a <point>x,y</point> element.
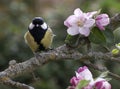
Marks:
<point>38,34</point>
<point>41,47</point>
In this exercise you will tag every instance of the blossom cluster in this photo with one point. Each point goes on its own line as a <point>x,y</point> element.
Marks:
<point>82,23</point>
<point>83,73</point>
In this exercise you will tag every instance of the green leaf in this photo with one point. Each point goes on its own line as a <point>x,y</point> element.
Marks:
<point>117,35</point>
<point>109,36</point>
<point>104,74</point>
<point>108,79</point>
<point>82,84</point>
<point>72,40</point>
<point>96,36</point>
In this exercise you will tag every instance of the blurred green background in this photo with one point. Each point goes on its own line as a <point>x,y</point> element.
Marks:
<point>15,16</point>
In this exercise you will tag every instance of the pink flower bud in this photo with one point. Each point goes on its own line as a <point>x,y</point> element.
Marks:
<point>82,69</point>
<point>102,20</point>
<point>74,81</point>
<point>82,73</point>
<point>102,84</point>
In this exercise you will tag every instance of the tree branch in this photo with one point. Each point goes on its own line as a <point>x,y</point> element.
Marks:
<point>115,22</point>
<point>10,82</point>
<point>60,53</point>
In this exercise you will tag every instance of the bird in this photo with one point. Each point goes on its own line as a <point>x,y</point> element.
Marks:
<point>39,36</point>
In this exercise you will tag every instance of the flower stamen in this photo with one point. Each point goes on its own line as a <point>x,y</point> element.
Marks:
<point>80,23</point>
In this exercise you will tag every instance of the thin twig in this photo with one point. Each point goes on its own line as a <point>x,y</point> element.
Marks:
<point>102,69</point>
<point>10,82</point>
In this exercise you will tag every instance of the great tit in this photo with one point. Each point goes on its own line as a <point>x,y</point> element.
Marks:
<point>39,36</point>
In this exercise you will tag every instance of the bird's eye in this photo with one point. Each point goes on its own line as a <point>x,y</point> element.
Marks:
<point>44,26</point>
<point>31,26</point>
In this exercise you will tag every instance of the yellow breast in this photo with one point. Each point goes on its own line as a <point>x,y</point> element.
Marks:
<point>48,37</point>
<point>30,41</point>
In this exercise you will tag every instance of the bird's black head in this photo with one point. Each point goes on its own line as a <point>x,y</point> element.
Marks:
<point>38,28</point>
<point>38,23</point>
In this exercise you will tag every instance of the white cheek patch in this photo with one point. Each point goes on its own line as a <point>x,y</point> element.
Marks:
<point>31,26</point>
<point>44,26</point>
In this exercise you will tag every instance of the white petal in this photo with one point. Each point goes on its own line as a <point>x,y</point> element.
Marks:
<point>91,14</point>
<point>73,30</point>
<point>77,74</point>
<point>89,23</point>
<point>84,31</point>
<point>78,12</point>
<point>107,85</point>
<point>66,23</point>
<point>70,21</point>
<point>86,74</point>
<point>99,79</point>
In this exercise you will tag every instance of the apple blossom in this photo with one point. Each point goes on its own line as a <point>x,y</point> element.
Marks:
<point>80,23</point>
<point>83,73</point>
